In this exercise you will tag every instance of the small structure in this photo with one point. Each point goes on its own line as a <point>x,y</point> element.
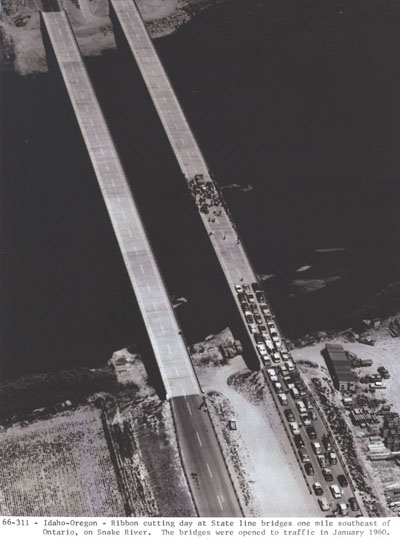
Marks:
<point>391,431</point>
<point>338,363</point>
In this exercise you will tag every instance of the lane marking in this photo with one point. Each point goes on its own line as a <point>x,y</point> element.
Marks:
<point>198,437</point>
<point>190,412</point>
<point>219,501</point>
<point>141,267</point>
<point>208,468</point>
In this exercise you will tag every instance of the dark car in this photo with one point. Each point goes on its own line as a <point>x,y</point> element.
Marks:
<point>258,319</point>
<point>298,440</point>
<point>260,297</point>
<point>311,432</point>
<point>327,443</point>
<point>353,504</point>
<point>309,468</point>
<point>327,474</point>
<point>342,480</point>
<point>384,373</point>
<point>249,318</point>
<point>242,298</point>
<point>289,415</point>
<point>318,489</point>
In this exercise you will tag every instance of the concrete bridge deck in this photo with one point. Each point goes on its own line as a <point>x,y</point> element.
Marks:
<point>223,235</point>
<point>165,335</point>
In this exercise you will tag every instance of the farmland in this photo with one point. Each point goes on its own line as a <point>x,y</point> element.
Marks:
<point>58,466</point>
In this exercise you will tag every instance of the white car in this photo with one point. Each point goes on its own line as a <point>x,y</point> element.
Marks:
<point>378,385</point>
<point>283,399</point>
<point>294,427</point>
<point>336,491</point>
<point>271,372</point>
<point>323,503</point>
<point>253,328</point>
<point>301,407</point>
<point>278,387</point>
<point>239,288</point>
<point>290,365</point>
<point>316,447</point>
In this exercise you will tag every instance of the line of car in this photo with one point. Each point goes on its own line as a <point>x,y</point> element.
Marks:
<point>323,454</point>
<point>290,390</point>
<point>261,324</point>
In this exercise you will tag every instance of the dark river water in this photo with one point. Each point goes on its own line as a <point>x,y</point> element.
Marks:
<point>301,100</point>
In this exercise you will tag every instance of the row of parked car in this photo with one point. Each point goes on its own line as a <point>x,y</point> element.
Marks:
<point>290,383</point>
<point>261,324</point>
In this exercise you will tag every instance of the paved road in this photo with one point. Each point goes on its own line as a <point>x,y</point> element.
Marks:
<point>204,465</point>
<point>165,334</point>
<point>317,423</point>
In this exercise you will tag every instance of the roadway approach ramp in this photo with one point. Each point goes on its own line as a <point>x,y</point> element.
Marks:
<point>206,472</point>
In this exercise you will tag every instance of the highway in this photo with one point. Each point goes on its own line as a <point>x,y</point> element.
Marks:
<point>198,445</point>
<point>256,314</point>
<point>212,492</point>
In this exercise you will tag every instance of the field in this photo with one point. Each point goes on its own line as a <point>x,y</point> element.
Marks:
<point>58,466</point>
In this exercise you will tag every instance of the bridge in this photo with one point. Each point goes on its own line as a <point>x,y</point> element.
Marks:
<point>205,469</point>
<point>208,478</point>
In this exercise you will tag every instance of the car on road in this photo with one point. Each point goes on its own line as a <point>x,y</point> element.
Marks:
<point>305,418</point>
<point>307,403</point>
<point>283,399</point>
<point>336,491</point>
<point>285,355</point>
<point>278,387</point>
<point>302,389</point>
<point>309,468</point>
<point>258,319</point>
<point>317,488</point>
<point>332,457</point>
<point>289,414</point>
<point>294,427</point>
<point>283,369</point>
<point>327,443</point>
<point>322,461</point>
<point>317,448</point>
<point>294,393</point>
<point>239,288</point>
<point>265,310</point>
<point>254,309</point>
<point>342,509</point>
<point>311,432</point>
<point>353,504</point>
<point>247,288</point>
<point>342,480</point>
<point>303,455</point>
<point>249,318</point>
<point>276,356</point>
<point>260,297</point>
<point>258,338</point>
<point>327,473</point>
<point>251,299</point>
<point>271,372</point>
<point>323,503</point>
<point>298,440</point>
<point>253,328</point>
<point>290,365</point>
<point>242,298</point>
<point>300,406</point>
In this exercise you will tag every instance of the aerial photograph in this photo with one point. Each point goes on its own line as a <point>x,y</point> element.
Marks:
<point>200,258</point>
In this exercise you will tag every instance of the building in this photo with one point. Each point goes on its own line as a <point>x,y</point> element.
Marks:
<point>339,366</point>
